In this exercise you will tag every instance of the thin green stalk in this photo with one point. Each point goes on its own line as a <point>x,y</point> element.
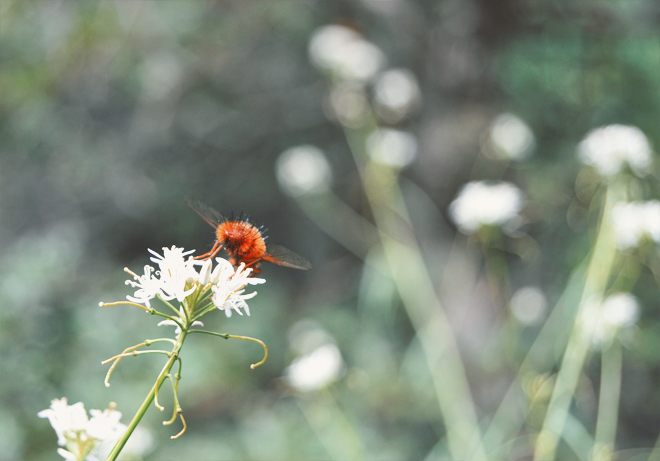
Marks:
<point>608,402</point>
<point>331,426</point>
<point>149,399</point>
<point>598,274</point>
<point>408,270</point>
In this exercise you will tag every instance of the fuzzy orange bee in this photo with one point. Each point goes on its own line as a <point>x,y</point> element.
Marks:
<point>243,241</point>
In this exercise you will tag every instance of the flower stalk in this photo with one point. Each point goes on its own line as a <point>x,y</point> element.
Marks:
<point>174,355</point>
<point>598,274</point>
<point>198,293</point>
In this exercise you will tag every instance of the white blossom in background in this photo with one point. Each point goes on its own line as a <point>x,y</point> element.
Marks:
<point>316,370</point>
<point>480,203</point>
<point>602,321</point>
<point>77,432</point>
<point>529,305</point>
<point>178,278</point>
<point>609,148</point>
<point>343,52</point>
<point>392,147</point>
<point>302,170</point>
<point>511,138</point>
<point>396,93</point>
<point>139,445</point>
<point>347,103</point>
<point>635,221</point>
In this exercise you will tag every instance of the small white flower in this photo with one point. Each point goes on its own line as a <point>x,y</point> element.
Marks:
<point>610,147</point>
<point>392,147</point>
<point>345,53</point>
<point>604,320</point>
<point>634,221</point>
<point>485,204</point>
<point>174,271</point>
<point>511,138</point>
<point>105,425</point>
<point>303,170</point>
<point>205,272</point>
<point>65,418</point>
<point>316,370</point>
<point>228,292</point>
<point>148,287</point>
<point>80,434</point>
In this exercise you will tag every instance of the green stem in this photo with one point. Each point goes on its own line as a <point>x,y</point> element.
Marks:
<point>408,270</point>
<point>174,355</point>
<point>168,304</point>
<point>598,274</point>
<point>608,401</point>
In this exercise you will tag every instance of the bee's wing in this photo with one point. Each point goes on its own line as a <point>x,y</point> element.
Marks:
<point>208,214</point>
<point>284,257</point>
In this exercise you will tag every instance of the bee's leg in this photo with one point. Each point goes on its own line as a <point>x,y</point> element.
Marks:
<point>214,251</point>
<point>254,266</point>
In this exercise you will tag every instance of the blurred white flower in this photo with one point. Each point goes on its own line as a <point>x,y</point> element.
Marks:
<point>80,434</point>
<point>347,103</point>
<point>511,138</point>
<point>604,320</point>
<point>178,278</point>
<point>480,203</point>
<point>392,147</point>
<point>634,221</point>
<point>396,93</point>
<point>529,305</point>
<point>316,370</point>
<point>138,445</point>
<point>610,147</point>
<point>303,170</point>
<point>343,52</point>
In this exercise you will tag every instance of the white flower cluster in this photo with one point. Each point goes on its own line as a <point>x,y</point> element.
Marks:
<point>480,203</point>
<point>511,138</point>
<point>344,53</point>
<point>80,434</point>
<point>178,278</point>
<point>603,320</point>
<point>635,221</point>
<point>609,148</point>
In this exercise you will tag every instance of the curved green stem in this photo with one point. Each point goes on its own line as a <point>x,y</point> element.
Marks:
<point>150,397</point>
<point>168,304</point>
<point>247,338</point>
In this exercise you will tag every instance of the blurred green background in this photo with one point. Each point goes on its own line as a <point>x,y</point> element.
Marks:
<point>112,111</point>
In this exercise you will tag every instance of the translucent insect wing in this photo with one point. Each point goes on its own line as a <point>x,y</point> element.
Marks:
<point>284,257</point>
<point>212,216</point>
